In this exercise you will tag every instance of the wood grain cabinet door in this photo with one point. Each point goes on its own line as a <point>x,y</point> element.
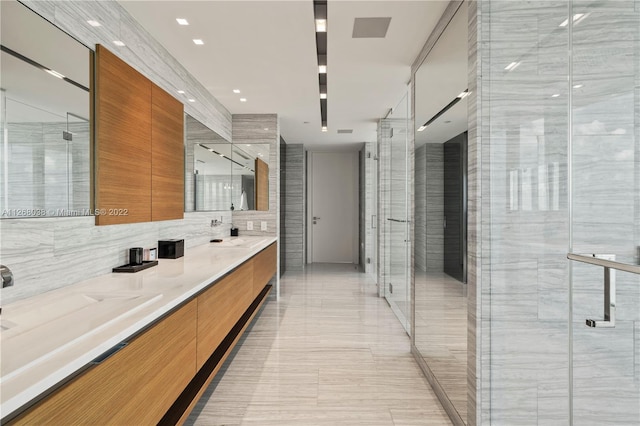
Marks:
<point>167,159</point>
<point>264,267</point>
<point>221,306</point>
<point>123,142</point>
<point>262,185</point>
<point>135,386</point>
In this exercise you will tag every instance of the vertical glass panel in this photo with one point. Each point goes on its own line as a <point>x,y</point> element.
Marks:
<point>605,177</point>
<point>397,287</point>
<point>440,324</point>
<point>525,111</point>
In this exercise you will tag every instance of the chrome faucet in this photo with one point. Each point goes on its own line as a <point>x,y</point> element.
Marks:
<point>7,276</point>
<point>216,222</point>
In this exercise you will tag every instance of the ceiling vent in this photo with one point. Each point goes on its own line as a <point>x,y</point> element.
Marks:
<point>370,27</point>
<point>345,130</point>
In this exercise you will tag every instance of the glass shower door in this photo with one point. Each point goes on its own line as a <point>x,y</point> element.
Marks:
<point>397,288</point>
<point>605,186</point>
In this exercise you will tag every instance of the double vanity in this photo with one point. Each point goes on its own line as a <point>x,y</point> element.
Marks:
<point>98,351</point>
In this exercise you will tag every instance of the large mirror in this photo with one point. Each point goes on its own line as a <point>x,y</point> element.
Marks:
<point>251,174</point>
<point>440,316</point>
<point>208,183</point>
<point>220,175</point>
<point>45,118</point>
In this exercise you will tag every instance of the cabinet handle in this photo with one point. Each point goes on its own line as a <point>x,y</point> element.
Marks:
<point>101,358</point>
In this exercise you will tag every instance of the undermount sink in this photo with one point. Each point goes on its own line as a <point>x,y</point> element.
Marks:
<point>65,319</point>
<point>240,242</point>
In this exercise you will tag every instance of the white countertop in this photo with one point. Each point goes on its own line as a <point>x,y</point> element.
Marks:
<point>48,337</point>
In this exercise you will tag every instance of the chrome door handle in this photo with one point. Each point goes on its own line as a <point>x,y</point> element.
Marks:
<point>397,220</point>
<point>609,320</point>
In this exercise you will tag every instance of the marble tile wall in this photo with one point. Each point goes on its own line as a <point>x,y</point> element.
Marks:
<point>294,201</point>
<point>282,246</point>
<point>384,196</point>
<point>369,213</point>
<point>429,237</point>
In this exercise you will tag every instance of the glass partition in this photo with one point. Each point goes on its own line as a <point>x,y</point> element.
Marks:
<point>440,292</point>
<point>562,137</point>
<point>397,285</point>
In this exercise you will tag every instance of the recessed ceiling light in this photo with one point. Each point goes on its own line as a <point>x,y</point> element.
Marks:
<point>236,90</point>
<point>266,128</point>
<point>55,73</point>
<point>243,99</point>
<point>198,41</point>
<point>182,21</point>
<point>421,128</point>
<point>118,43</point>
<point>191,100</point>
<point>577,86</point>
<point>94,23</point>
<point>555,95</point>
<point>322,69</point>
<point>321,25</point>
<point>248,144</point>
<point>323,96</point>
<point>181,92</point>
<point>324,128</point>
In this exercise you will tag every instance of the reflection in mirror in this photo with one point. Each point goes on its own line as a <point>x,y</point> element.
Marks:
<point>45,163</point>
<point>440,333</point>
<point>208,185</point>
<point>249,160</point>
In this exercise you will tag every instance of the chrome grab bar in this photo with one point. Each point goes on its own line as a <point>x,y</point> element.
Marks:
<point>609,264</point>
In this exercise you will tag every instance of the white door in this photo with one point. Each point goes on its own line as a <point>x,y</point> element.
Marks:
<point>334,207</point>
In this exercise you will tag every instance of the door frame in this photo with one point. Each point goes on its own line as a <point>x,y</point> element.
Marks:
<point>354,152</point>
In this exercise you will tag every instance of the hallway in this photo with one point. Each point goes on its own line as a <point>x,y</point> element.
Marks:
<point>329,353</point>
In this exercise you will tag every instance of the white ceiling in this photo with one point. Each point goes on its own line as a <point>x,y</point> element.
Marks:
<point>267,50</point>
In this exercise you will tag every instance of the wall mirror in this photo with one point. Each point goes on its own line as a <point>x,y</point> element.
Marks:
<point>251,175</point>
<point>440,317</point>
<point>208,183</point>
<point>45,118</point>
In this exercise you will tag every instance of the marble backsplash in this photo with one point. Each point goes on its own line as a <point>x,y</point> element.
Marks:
<point>49,253</point>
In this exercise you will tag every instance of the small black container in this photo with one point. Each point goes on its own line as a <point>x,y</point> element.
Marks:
<point>234,232</point>
<point>170,249</point>
<point>135,256</point>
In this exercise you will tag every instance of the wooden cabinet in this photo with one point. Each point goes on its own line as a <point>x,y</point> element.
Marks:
<point>139,154</point>
<point>221,306</point>
<point>264,267</point>
<point>262,185</point>
<point>167,156</point>
<point>123,142</point>
<point>136,386</point>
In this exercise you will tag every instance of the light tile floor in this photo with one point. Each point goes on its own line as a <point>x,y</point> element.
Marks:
<point>330,352</point>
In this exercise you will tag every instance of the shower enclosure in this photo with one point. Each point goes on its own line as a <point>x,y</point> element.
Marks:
<point>560,213</point>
